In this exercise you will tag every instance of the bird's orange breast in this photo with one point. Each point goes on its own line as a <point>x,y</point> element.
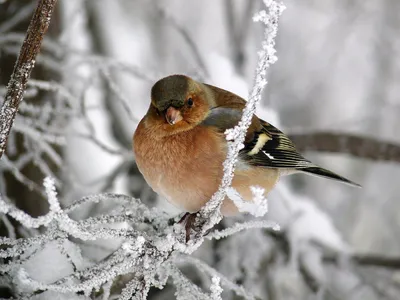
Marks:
<point>185,168</point>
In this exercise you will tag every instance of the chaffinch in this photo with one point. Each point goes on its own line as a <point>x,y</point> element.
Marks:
<point>180,146</point>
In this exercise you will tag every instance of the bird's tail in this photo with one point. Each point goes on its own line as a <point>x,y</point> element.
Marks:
<point>318,171</point>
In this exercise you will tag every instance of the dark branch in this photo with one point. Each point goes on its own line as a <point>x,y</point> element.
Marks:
<point>360,147</point>
<point>368,260</point>
<point>23,68</point>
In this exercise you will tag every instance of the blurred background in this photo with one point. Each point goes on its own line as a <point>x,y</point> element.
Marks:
<point>336,80</point>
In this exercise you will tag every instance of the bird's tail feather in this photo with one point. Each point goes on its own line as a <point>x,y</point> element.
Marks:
<point>328,174</point>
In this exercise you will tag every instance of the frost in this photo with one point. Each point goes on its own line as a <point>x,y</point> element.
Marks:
<point>136,247</point>
<point>258,207</point>
<point>148,254</point>
<point>309,223</point>
<point>238,227</point>
<point>210,213</point>
<point>238,289</point>
<point>216,289</point>
<point>52,194</point>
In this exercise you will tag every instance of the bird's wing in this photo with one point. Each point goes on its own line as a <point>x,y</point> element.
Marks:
<point>265,145</point>
<point>271,148</point>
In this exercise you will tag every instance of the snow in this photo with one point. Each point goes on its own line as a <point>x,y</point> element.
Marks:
<point>258,207</point>
<point>216,289</point>
<point>307,222</point>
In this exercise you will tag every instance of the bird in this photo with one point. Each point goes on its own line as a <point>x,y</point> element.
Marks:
<point>180,146</point>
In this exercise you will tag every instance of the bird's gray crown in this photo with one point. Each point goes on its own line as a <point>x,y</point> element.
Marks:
<point>170,91</point>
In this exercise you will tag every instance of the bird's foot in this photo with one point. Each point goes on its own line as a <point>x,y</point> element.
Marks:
<point>188,221</point>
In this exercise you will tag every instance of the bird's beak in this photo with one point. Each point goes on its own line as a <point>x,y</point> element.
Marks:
<point>173,115</point>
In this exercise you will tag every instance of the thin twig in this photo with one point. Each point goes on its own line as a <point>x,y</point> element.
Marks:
<point>23,68</point>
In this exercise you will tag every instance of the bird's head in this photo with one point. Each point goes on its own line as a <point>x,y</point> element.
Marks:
<point>179,102</point>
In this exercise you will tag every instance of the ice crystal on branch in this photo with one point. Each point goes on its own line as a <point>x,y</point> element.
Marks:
<point>210,214</point>
<point>216,289</point>
<point>258,207</point>
<point>146,252</point>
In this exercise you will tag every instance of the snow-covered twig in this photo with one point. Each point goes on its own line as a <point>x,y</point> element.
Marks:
<point>148,254</point>
<point>216,289</point>
<point>258,207</point>
<point>202,266</point>
<point>210,214</point>
<point>238,227</point>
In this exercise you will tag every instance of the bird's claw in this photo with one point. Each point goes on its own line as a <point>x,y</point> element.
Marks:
<point>188,221</point>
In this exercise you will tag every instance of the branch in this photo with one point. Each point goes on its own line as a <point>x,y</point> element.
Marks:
<point>23,68</point>
<point>368,260</point>
<point>360,147</point>
<point>210,214</point>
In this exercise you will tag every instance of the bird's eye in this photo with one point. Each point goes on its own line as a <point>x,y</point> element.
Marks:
<point>190,102</point>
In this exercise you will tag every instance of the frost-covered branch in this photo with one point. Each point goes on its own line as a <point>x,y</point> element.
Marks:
<point>147,249</point>
<point>210,214</point>
<point>23,68</point>
<point>202,266</point>
<point>238,227</point>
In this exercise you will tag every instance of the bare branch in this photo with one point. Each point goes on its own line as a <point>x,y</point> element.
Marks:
<point>368,260</point>
<point>360,147</point>
<point>23,68</point>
